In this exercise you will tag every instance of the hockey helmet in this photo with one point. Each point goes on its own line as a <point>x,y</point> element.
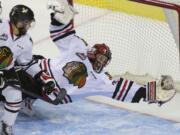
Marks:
<point>23,15</point>
<point>99,56</point>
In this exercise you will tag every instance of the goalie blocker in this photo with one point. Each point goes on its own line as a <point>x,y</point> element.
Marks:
<point>159,92</point>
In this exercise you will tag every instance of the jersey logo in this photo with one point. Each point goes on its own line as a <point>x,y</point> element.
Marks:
<point>4,37</point>
<point>24,10</point>
<point>76,73</point>
<point>6,57</point>
<point>82,56</point>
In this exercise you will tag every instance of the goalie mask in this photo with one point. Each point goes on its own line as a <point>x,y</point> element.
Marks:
<point>22,17</point>
<point>99,56</point>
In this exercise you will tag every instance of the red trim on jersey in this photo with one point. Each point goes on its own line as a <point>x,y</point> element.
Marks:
<point>45,64</point>
<point>63,32</point>
<point>123,89</point>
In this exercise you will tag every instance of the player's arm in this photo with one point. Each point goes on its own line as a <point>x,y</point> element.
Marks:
<point>27,63</point>
<point>154,91</point>
<point>160,91</point>
<point>10,77</point>
<point>43,84</point>
<point>41,77</point>
<point>62,14</point>
<point>25,60</point>
<point>128,91</point>
<point>62,30</point>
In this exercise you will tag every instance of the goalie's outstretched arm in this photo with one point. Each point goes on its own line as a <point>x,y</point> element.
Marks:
<point>61,27</point>
<point>160,92</point>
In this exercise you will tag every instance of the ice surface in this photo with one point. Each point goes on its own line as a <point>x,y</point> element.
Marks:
<point>82,117</point>
<point>88,118</point>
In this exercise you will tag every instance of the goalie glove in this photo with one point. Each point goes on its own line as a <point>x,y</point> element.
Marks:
<point>63,11</point>
<point>160,92</point>
<point>166,82</point>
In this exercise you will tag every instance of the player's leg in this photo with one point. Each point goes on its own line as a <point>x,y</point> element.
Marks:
<point>12,106</point>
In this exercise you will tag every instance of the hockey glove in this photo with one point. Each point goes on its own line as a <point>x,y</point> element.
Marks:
<point>47,82</point>
<point>11,78</point>
<point>167,82</point>
<point>161,91</point>
<point>63,11</point>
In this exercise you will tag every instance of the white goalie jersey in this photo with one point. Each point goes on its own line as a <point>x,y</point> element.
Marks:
<point>73,71</point>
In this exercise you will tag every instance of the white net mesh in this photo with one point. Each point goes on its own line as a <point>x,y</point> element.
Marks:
<point>139,44</point>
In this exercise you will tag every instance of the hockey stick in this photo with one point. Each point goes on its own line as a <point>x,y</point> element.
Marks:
<point>58,99</point>
<point>17,83</point>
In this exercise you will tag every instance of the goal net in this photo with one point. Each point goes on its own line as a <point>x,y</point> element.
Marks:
<point>143,34</point>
